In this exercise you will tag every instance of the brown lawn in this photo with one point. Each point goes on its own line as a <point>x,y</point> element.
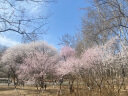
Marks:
<point>50,91</point>
<point>32,91</point>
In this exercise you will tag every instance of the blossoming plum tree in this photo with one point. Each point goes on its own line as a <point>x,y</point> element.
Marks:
<point>69,65</point>
<point>37,67</point>
<point>16,56</point>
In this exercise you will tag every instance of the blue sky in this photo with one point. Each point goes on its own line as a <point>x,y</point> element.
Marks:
<point>65,19</point>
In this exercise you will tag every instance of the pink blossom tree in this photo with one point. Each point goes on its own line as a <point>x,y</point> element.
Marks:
<point>91,60</point>
<point>67,52</point>
<point>36,67</point>
<point>69,66</point>
<point>15,56</point>
<point>102,64</point>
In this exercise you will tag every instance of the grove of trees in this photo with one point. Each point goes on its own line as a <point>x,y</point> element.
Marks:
<point>95,59</point>
<point>100,68</point>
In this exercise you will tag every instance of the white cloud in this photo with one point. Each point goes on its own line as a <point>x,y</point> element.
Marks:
<point>7,42</point>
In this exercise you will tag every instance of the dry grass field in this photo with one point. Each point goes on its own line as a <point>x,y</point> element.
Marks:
<point>50,91</point>
<point>32,91</point>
